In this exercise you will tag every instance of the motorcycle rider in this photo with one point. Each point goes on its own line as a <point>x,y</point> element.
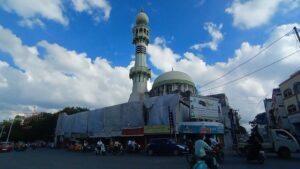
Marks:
<point>254,145</point>
<point>100,147</point>
<point>200,154</point>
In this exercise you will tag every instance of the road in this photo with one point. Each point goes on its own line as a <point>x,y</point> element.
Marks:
<point>62,159</point>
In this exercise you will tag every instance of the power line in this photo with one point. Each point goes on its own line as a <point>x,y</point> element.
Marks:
<point>257,70</point>
<point>248,60</point>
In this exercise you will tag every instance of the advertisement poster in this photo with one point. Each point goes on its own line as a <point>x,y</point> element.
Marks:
<point>203,107</point>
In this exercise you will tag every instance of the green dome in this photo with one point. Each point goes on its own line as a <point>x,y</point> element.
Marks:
<point>173,77</point>
<point>142,18</point>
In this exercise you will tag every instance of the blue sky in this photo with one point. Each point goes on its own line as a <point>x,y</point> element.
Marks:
<point>77,38</point>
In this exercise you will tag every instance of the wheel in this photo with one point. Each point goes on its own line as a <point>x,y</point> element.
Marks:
<point>261,160</point>
<point>150,152</point>
<point>284,152</point>
<point>175,152</point>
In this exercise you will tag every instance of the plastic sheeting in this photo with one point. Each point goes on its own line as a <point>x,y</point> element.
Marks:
<point>60,123</point>
<point>104,122</point>
<point>109,121</point>
<point>158,108</point>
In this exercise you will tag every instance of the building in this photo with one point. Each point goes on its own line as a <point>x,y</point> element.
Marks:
<point>140,73</point>
<point>290,90</point>
<point>269,113</point>
<point>278,110</point>
<point>230,118</point>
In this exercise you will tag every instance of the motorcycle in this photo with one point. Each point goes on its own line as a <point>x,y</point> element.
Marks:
<point>195,163</point>
<point>100,150</point>
<point>134,148</point>
<point>117,150</point>
<point>219,154</point>
<point>254,150</point>
<point>252,155</point>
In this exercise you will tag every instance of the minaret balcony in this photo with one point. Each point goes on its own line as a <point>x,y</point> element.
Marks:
<point>140,70</point>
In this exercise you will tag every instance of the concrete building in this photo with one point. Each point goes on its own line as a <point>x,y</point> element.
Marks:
<point>290,90</point>
<point>140,73</point>
<point>279,111</point>
<point>269,113</point>
<point>230,119</point>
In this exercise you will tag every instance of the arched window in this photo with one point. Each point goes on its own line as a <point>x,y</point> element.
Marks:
<point>292,108</point>
<point>287,92</point>
<point>145,31</point>
<point>136,31</point>
<point>141,30</point>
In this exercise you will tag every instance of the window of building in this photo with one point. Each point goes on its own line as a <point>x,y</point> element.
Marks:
<point>292,108</point>
<point>297,87</point>
<point>287,92</point>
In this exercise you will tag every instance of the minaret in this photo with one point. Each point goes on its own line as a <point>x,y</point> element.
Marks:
<point>140,73</point>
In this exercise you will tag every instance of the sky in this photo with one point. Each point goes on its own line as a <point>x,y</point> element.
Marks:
<point>58,53</point>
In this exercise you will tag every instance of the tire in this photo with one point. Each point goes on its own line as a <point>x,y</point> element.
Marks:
<point>261,160</point>
<point>284,152</point>
<point>150,152</point>
<point>175,152</point>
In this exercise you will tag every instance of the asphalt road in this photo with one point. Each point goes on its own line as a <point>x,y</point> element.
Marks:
<point>62,159</point>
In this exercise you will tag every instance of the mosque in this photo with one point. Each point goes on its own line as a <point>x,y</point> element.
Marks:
<point>172,108</point>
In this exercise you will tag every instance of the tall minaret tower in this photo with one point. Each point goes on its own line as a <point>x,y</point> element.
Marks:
<point>140,73</point>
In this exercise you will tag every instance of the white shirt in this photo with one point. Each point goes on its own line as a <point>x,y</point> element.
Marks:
<point>200,147</point>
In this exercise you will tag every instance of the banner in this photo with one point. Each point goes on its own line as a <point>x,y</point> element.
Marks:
<point>204,107</point>
<point>157,129</point>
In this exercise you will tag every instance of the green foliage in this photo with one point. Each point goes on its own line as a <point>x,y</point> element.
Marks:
<point>242,130</point>
<point>39,127</point>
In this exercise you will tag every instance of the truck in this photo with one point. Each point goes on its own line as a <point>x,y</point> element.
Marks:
<point>279,141</point>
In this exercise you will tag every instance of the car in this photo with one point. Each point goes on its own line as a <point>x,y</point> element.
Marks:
<point>6,146</point>
<point>165,146</point>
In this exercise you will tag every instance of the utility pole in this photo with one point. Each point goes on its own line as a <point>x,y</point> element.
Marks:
<point>297,34</point>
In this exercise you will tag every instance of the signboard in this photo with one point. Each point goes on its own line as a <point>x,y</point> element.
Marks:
<point>133,131</point>
<point>157,129</point>
<point>201,128</point>
<point>204,107</point>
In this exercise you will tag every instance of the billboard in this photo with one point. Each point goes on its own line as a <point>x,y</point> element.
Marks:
<point>204,108</point>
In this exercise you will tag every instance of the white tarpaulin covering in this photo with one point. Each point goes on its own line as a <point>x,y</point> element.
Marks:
<point>158,113</point>
<point>109,121</point>
<point>104,122</point>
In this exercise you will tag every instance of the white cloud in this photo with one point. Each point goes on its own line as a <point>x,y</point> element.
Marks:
<point>254,13</point>
<point>93,6</point>
<point>57,77</point>
<point>244,94</point>
<point>33,12</point>
<point>216,34</point>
